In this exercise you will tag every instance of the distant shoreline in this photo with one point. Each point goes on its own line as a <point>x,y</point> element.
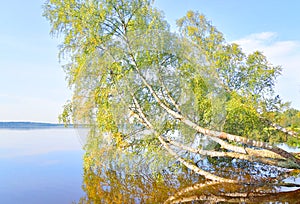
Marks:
<point>30,125</point>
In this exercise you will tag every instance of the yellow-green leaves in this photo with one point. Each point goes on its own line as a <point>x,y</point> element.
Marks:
<point>66,116</point>
<point>128,72</point>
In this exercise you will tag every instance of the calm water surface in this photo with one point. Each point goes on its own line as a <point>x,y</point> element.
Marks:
<point>40,166</point>
<point>47,166</point>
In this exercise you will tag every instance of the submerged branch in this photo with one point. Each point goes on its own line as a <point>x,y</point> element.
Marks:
<point>212,133</point>
<point>189,165</point>
<point>193,167</point>
<point>247,157</point>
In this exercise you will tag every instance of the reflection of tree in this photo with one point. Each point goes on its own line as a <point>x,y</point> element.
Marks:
<point>110,177</point>
<point>234,193</point>
<point>105,184</point>
<point>156,97</point>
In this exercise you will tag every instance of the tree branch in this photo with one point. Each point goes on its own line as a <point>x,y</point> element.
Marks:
<point>190,166</point>
<point>248,157</point>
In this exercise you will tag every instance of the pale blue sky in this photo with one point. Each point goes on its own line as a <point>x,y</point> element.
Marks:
<point>32,86</point>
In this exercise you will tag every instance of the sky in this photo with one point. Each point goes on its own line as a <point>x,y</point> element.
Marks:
<point>32,82</point>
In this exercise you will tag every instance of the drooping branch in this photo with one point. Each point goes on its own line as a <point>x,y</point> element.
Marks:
<point>193,167</point>
<point>113,32</point>
<point>189,165</point>
<point>280,128</point>
<point>216,134</point>
<point>252,157</point>
<point>141,114</point>
<point>168,94</point>
<point>153,93</point>
<point>267,121</point>
<point>228,146</point>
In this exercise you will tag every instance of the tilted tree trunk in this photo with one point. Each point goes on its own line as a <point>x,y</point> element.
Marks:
<point>221,135</point>
<point>189,165</point>
<point>264,156</point>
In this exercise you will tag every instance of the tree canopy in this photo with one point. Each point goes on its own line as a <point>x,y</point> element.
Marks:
<point>164,97</point>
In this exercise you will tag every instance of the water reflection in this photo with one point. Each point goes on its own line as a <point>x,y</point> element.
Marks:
<point>233,193</point>
<point>105,180</point>
<point>108,186</point>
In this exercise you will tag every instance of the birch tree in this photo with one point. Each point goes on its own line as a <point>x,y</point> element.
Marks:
<point>162,97</point>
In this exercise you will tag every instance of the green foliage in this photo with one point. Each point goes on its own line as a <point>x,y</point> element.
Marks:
<point>290,118</point>
<point>247,80</point>
<point>65,117</point>
<point>241,118</point>
<point>113,46</point>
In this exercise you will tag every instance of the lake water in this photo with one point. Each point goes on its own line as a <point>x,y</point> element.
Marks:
<point>40,166</point>
<point>46,166</point>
